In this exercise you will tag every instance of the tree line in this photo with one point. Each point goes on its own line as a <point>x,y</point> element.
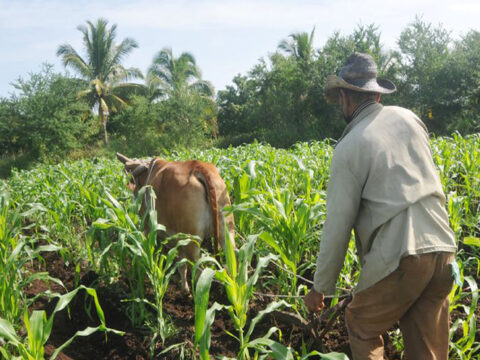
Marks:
<point>104,106</point>
<point>280,100</point>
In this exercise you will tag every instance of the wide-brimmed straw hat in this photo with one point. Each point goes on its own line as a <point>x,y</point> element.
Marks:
<point>360,74</point>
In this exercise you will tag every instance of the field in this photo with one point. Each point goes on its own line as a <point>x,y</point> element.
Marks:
<point>80,280</point>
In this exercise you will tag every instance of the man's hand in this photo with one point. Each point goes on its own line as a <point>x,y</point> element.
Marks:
<point>314,301</point>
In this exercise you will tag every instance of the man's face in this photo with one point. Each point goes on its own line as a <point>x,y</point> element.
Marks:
<point>344,106</point>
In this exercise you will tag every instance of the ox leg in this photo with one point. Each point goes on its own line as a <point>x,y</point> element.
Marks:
<point>192,253</point>
<point>183,270</point>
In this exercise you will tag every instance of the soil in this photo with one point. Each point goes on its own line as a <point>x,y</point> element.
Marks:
<point>136,343</point>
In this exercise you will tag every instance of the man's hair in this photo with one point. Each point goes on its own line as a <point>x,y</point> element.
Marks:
<point>359,97</point>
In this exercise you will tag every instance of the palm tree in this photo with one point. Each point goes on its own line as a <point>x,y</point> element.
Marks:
<point>175,77</point>
<point>101,68</point>
<point>300,45</point>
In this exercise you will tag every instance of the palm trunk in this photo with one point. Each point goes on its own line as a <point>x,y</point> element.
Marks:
<point>103,120</point>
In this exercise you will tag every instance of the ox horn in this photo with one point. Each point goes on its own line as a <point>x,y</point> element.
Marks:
<point>122,158</point>
<point>130,164</point>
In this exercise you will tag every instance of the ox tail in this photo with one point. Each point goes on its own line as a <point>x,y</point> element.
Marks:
<point>203,175</point>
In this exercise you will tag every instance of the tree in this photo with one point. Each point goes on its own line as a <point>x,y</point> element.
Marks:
<point>44,118</point>
<point>186,98</point>
<point>102,69</point>
<point>464,67</point>
<point>237,105</point>
<point>426,82</point>
<point>299,45</point>
<point>177,76</point>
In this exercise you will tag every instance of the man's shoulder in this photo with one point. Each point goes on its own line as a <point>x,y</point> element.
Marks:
<point>398,115</point>
<point>377,128</point>
<point>394,109</point>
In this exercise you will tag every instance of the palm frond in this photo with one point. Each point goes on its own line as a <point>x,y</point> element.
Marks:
<point>163,76</point>
<point>116,102</point>
<point>71,58</point>
<point>99,86</point>
<point>104,106</point>
<point>120,51</point>
<point>156,87</point>
<point>299,45</point>
<point>119,73</point>
<point>84,93</point>
<point>164,58</point>
<point>203,87</point>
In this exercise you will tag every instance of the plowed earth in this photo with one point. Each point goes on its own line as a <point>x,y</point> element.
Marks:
<point>136,343</point>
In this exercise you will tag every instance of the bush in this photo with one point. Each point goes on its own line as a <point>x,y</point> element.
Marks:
<point>44,119</point>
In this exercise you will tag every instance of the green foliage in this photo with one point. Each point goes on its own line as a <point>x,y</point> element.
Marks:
<point>15,253</point>
<point>140,129</point>
<point>187,110</point>
<point>239,287</point>
<point>104,76</point>
<point>144,127</point>
<point>44,119</point>
<point>39,328</point>
<point>140,256</point>
<point>189,120</point>
<point>428,78</point>
<point>274,191</point>
<point>463,332</point>
<point>175,77</point>
<point>281,101</point>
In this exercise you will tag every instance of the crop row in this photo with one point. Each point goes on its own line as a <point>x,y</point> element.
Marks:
<point>83,210</point>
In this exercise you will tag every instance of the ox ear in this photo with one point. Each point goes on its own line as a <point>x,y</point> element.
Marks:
<point>139,169</point>
<point>131,186</point>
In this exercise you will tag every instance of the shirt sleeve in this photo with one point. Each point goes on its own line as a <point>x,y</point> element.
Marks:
<point>343,200</point>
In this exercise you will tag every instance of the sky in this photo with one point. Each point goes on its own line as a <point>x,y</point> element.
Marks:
<point>226,37</point>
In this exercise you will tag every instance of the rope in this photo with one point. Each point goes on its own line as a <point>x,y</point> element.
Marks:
<point>348,291</point>
<point>299,296</point>
<point>152,165</point>
<point>291,273</point>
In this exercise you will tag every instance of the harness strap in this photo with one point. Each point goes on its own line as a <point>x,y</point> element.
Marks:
<point>148,179</point>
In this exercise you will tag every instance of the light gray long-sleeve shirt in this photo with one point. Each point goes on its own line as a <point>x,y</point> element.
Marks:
<point>384,185</point>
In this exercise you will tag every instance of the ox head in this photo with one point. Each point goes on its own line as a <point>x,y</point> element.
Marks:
<point>138,169</point>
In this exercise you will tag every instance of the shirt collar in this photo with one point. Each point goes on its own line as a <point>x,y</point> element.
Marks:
<point>359,114</point>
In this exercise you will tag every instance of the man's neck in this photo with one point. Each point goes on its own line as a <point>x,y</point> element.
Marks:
<point>358,109</point>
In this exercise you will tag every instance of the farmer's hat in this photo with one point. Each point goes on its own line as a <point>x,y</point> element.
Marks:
<point>359,74</point>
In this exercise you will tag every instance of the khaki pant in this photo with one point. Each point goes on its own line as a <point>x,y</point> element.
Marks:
<point>416,295</point>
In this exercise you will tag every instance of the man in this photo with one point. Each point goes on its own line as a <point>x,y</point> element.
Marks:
<point>384,185</point>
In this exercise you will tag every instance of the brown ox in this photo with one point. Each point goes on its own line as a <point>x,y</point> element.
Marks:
<point>190,198</point>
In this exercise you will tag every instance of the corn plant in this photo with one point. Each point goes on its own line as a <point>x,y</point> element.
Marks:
<point>277,193</point>
<point>39,329</point>
<point>465,346</point>
<point>289,228</point>
<point>16,251</point>
<point>239,288</point>
<point>140,255</point>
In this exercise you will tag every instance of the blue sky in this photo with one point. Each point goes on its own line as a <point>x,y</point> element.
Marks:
<point>226,37</point>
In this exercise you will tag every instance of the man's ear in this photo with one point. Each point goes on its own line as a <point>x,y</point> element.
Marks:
<point>378,97</point>
<point>341,96</point>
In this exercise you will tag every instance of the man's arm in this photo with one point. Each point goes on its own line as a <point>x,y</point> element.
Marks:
<point>343,200</point>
